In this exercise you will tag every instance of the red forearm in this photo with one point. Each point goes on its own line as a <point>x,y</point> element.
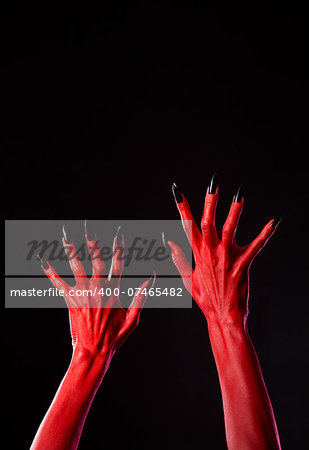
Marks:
<point>62,425</point>
<point>248,414</point>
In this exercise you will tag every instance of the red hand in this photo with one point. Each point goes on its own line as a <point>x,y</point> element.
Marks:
<point>99,326</point>
<point>220,286</point>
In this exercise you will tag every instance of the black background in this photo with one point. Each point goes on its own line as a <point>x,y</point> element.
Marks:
<point>104,109</point>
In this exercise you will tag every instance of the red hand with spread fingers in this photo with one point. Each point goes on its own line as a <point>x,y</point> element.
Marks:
<point>99,326</point>
<point>220,286</point>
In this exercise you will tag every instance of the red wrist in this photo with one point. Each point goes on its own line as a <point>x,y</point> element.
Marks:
<point>229,321</point>
<point>92,363</point>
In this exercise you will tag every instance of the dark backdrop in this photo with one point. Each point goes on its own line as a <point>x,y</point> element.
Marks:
<point>104,109</point>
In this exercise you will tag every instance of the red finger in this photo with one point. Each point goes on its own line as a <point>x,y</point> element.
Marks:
<point>183,266</point>
<point>259,242</point>
<point>57,281</point>
<point>98,265</point>
<point>230,226</point>
<point>118,257</point>
<point>209,213</point>
<point>135,309</point>
<point>189,225</point>
<point>70,250</point>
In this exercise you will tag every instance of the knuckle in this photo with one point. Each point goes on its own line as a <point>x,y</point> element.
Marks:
<point>206,227</point>
<point>209,201</point>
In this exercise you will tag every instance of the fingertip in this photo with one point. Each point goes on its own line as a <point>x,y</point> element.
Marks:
<point>49,271</point>
<point>266,233</point>
<point>237,207</point>
<point>212,195</point>
<point>43,263</point>
<point>150,281</point>
<point>211,199</point>
<point>184,207</point>
<point>172,245</point>
<point>269,229</point>
<point>238,203</point>
<point>67,245</point>
<point>275,222</point>
<point>90,241</point>
<point>185,201</point>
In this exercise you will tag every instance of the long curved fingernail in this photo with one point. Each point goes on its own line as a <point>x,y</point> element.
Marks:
<point>167,247</point>
<point>239,194</point>
<point>213,184</point>
<point>177,193</point>
<point>152,279</point>
<point>119,236</point>
<point>276,221</point>
<point>66,235</point>
<point>43,264</point>
<point>88,230</point>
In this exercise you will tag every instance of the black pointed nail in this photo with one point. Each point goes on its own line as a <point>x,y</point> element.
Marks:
<point>163,239</point>
<point>152,279</point>
<point>167,247</point>
<point>239,194</point>
<point>177,193</point>
<point>43,264</point>
<point>66,235</point>
<point>213,184</point>
<point>119,236</point>
<point>88,230</point>
<point>276,221</point>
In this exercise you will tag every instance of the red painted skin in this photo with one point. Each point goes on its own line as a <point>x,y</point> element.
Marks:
<point>220,286</point>
<point>97,332</point>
